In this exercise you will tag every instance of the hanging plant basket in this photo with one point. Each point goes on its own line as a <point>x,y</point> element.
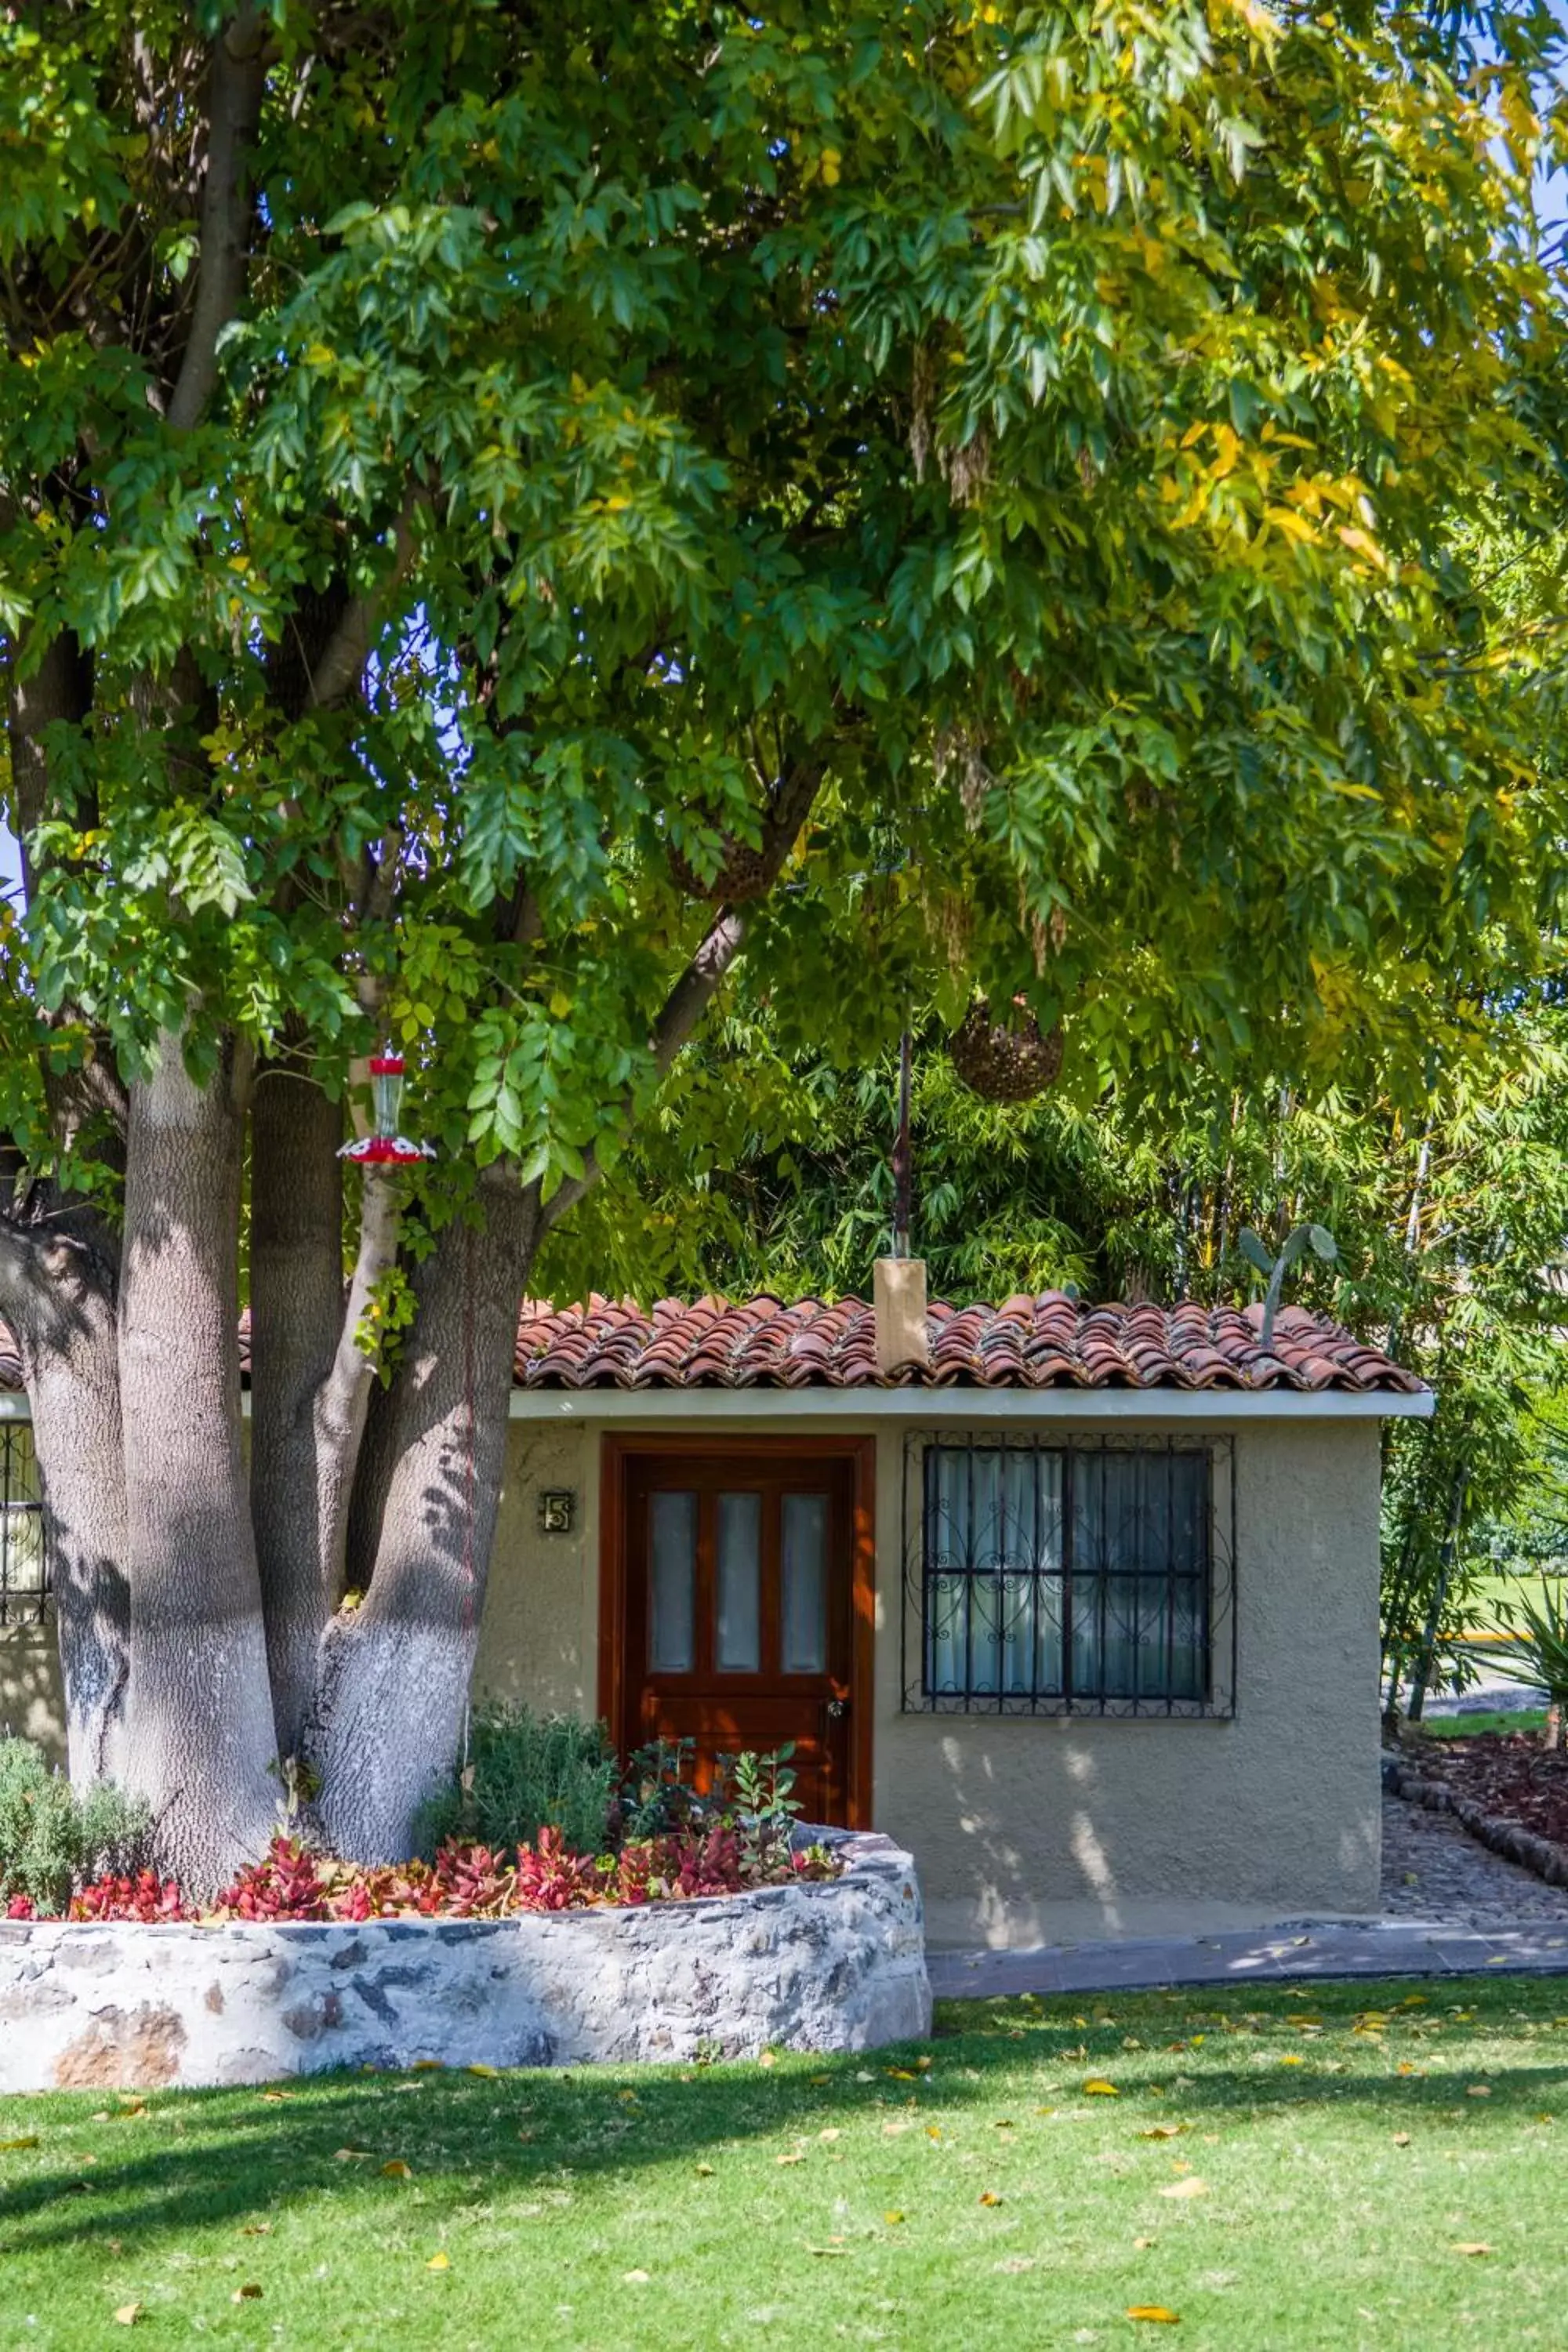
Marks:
<point>1007,1061</point>
<point>744,873</point>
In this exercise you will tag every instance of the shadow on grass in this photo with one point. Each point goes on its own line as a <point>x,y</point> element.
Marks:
<point>243,2153</point>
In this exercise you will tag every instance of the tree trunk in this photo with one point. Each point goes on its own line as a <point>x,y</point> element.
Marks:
<point>396,1672</point>
<point>72,1378</point>
<point>296,1316</point>
<point>201,1723</point>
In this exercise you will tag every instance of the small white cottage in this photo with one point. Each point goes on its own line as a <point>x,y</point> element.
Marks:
<point>1084,1613</point>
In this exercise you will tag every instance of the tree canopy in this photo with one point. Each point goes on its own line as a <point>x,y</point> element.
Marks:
<point>515,522</point>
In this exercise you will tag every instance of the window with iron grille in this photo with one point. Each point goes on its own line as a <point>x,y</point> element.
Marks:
<point>1058,1577</point>
<point>23,1575</point>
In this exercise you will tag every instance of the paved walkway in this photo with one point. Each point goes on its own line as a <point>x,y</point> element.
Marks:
<point>1450,1906</point>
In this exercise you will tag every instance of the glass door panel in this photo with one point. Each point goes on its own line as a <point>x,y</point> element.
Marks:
<point>737,1614</point>
<point>804,1596</point>
<point>672,1611</point>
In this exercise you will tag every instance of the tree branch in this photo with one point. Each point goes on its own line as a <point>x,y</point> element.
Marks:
<point>347,650</point>
<point>693,993</point>
<point>236,85</point>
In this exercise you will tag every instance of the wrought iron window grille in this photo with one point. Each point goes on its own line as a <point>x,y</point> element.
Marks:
<point>1068,1576</point>
<point>23,1562</point>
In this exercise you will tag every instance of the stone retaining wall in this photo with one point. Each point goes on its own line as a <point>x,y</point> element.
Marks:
<point>838,1965</point>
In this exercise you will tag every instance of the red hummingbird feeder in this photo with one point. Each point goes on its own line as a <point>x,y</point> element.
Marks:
<point>384,1147</point>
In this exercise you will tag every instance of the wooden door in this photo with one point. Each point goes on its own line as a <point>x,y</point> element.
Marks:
<point>736,1609</point>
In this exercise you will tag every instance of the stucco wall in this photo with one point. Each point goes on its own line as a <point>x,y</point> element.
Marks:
<point>1035,1831</point>
<point>1027,1830</point>
<point>1030,1831</point>
<point>32,1703</point>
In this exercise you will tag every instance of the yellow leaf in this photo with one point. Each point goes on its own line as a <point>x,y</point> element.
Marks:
<point>703,2171</point>
<point>1477,2247</point>
<point>396,2171</point>
<point>1095,2088</point>
<point>1292,2058</point>
<point>429,2065</point>
<point>617,505</point>
<point>486,2073</point>
<point>1164,2131</point>
<point>989,2197</point>
<point>441,2262</point>
<point>320,355</point>
<point>1156,2311</point>
<point>899,2074</point>
<point>636,2278</point>
<point>129,2314</point>
<point>795,2157</point>
<point>14,2147</point>
<point>893,2217</point>
<point>1477,2091</point>
<point>1191,2186</point>
<point>1402,2139</point>
<point>768,2058</point>
<point>248,2293</point>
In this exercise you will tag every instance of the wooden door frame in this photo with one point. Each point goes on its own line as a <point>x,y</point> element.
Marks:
<point>615,1453</point>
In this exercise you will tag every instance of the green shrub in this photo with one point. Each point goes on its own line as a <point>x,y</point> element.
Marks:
<point>527,1772</point>
<point>51,1839</point>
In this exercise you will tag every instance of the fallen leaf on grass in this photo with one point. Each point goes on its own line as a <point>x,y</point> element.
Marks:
<point>14,2147</point>
<point>989,2197</point>
<point>1164,2131</point>
<point>1096,2088</point>
<point>1190,2185</point>
<point>827,2249</point>
<point>934,2131</point>
<point>636,2278</point>
<point>796,2156</point>
<point>1143,2244</point>
<point>1477,2247</point>
<point>429,2066</point>
<point>129,2314</point>
<point>901,2073</point>
<point>819,2082</point>
<point>1402,2139</point>
<point>396,2171</point>
<point>832,2132</point>
<point>248,2293</point>
<point>255,2229</point>
<point>767,2058</point>
<point>1477,2090</point>
<point>276,2099</point>
<point>441,2262</point>
<point>1156,2311</point>
<point>703,2171</point>
<point>1291,2058</point>
<point>486,2073</point>
<point>351,2155</point>
<point>892,2217</point>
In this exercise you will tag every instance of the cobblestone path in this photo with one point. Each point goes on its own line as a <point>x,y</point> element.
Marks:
<point>1433,1869</point>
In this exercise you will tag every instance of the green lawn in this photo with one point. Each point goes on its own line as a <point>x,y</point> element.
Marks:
<point>1271,2169</point>
<point>1467,1726</point>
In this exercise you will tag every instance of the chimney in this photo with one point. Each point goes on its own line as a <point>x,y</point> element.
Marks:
<point>902,1338</point>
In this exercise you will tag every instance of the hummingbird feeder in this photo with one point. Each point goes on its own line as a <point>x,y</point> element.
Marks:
<point>384,1147</point>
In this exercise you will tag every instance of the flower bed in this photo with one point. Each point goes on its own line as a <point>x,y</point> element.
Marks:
<point>1507,1789</point>
<point>814,1962</point>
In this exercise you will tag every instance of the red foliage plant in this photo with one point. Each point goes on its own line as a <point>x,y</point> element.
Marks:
<point>146,1898</point>
<point>465,1882</point>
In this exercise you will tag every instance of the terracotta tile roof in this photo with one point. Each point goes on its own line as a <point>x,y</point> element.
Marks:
<point>1049,1342</point>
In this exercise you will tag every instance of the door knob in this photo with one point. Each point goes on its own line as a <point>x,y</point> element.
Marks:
<point>836,1708</point>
